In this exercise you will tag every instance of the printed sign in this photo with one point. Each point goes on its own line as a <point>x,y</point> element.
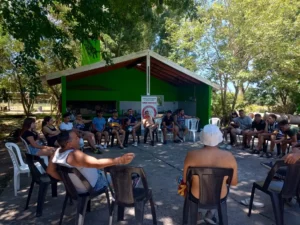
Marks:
<point>149,103</point>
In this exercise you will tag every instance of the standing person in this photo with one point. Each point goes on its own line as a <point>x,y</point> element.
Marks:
<point>32,138</point>
<point>69,155</point>
<point>66,125</point>
<point>179,120</point>
<point>168,125</point>
<point>148,123</point>
<point>115,128</point>
<point>133,125</point>
<point>290,136</point>
<point>209,156</point>
<point>50,132</point>
<point>241,125</point>
<point>98,124</point>
<point>258,127</point>
<point>271,133</point>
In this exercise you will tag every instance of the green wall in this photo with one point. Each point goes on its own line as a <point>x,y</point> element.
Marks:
<point>129,84</point>
<point>123,84</point>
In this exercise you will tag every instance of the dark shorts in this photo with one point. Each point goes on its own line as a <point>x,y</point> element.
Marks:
<point>182,127</point>
<point>169,128</point>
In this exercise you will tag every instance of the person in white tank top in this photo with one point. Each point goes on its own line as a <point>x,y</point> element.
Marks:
<point>69,155</point>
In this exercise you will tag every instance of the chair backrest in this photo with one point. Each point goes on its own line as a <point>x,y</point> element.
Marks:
<point>291,181</point>
<point>215,121</point>
<point>17,164</point>
<point>64,172</point>
<point>188,123</point>
<point>35,172</point>
<point>26,145</point>
<point>210,184</point>
<point>122,182</point>
<point>194,124</point>
<point>158,121</point>
<point>15,153</point>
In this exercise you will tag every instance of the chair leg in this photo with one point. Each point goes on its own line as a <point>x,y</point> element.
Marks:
<point>54,188</point>
<point>120,213</point>
<point>63,209</point>
<point>41,198</point>
<point>110,208</point>
<point>251,200</point>
<point>16,183</point>
<point>153,212</point>
<point>112,140</point>
<point>194,136</point>
<point>193,212</point>
<point>29,194</point>
<point>277,208</point>
<point>88,208</point>
<point>81,210</point>
<point>185,212</point>
<point>223,218</point>
<point>139,212</point>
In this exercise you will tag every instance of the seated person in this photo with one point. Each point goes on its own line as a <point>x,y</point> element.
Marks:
<point>179,120</point>
<point>258,126</point>
<point>66,125</point>
<point>168,125</point>
<point>241,125</point>
<point>29,134</point>
<point>115,128</point>
<point>133,126</point>
<point>69,155</point>
<point>271,133</point>
<point>231,124</point>
<point>148,123</point>
<point>209,156</point>
<point>50,132</point>
<point>290,135</point>
<point>98,124</point>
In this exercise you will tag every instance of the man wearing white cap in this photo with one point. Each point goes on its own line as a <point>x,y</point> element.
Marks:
<point>210,156</point>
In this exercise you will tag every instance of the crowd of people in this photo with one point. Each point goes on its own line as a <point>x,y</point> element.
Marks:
<point>63,145</point>
<point>98,129</point>
<point>265,130</point>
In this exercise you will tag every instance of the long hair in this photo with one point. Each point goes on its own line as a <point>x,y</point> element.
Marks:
<point>46,120</point>
<point>26,125</point>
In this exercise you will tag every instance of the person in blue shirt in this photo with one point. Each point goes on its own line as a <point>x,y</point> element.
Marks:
<point>98,124</point>
<point>133,125</point>
<point>116,128</point>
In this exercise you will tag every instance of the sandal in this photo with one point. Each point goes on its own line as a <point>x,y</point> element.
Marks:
<point>255,151</point>
<point>269,154</point>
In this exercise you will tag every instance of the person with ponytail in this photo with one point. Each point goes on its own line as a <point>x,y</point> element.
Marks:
<point>29,134</point>
<point>50,132</point>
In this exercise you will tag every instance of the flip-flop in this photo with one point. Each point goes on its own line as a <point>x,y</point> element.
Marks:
<point>246,202</point>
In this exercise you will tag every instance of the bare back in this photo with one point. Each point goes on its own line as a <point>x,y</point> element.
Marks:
<point>210,157</point>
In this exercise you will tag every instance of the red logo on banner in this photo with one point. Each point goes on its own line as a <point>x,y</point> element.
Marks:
<point>150,109</point>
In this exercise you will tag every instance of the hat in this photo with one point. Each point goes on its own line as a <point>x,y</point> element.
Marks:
<point>169,111</point>
<point>211,135</point>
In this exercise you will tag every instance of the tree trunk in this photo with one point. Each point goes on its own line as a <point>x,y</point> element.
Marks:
<point>236,87</point>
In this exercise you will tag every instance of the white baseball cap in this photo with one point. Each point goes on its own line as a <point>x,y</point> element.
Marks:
<point>211,135</point>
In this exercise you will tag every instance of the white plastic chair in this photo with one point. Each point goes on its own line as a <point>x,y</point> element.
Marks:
<point>19,165</point>
<point>193,128</point>
<point>159,121</point>
<point>187,123</point>
<point>45,158</point>
<point>215,121</point>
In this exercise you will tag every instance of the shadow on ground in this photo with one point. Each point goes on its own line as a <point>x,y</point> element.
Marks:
<point>162,163</point>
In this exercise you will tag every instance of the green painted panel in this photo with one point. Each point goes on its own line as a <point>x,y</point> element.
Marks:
<point>203,95</point>
<point>87,57</point>
<point>122,85</point>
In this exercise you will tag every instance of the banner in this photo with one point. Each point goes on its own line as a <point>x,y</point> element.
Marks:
<point>149,103</point>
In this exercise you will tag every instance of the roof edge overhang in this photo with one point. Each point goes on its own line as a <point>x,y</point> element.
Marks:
<point>54,78</point>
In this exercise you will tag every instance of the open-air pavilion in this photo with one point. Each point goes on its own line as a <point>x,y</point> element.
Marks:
<point>121,84</point>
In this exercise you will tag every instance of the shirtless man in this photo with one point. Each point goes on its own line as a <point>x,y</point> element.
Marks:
<point>210,156</point>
